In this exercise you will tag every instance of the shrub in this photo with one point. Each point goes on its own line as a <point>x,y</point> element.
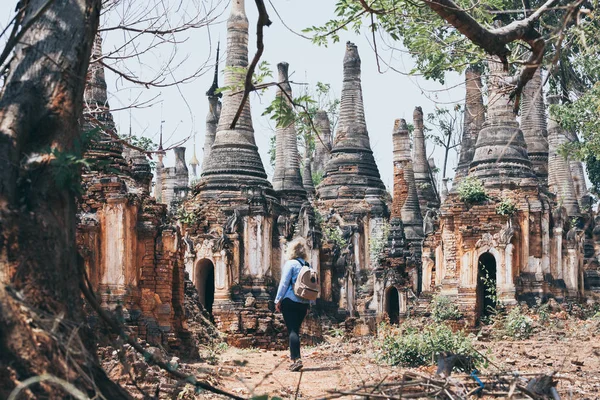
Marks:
<point>412,346</point>
<point>444,309</point>
<point>506,207</point>
<point>334,234</point>
<point>517,325</point>
<point>471,190</point>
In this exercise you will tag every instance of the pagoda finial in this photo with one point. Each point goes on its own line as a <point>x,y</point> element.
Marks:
<point>194,161</point>
<point>212,92</point>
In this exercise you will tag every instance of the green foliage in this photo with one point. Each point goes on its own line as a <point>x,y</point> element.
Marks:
<point>506,207</point>
<point>489,284</point>
<point>302,113</point>
<point>317,177</point>
<point>471,191</point>
<point>334,234</point>
<point>414,346</point>
<point>261,73</point>
<point>517,325</point>
<point>186,217</point>
<point>543,313</point>
<point>140,141</point>
<point>377,244</point>
<point>444,309</point>
<point>336,332</point>
<point>435,46</point>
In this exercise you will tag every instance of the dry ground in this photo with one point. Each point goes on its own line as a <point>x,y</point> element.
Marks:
<point>562,344</point>
<point>344,366</point>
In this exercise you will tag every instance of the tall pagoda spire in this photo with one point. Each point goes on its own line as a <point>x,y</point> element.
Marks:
<point>214,112</point>
<point>500,157</point>
<point>194,161</point>
<point>426,189</point>
<point>160,166</point>
<point>473,119</point>
<point>97,115</point>
<point>533,125</point>
<point>307,180</point>
<point>323,142</point>
<point>560,181</point>
<point>578,175</point>
<point>405,203</point>
<point>351,171</point>
<point>234,161</point>
<point>287,179</point>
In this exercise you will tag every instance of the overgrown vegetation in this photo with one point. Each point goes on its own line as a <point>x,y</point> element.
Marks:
<point>471,191</point>
<point>334,234</point>
<point>518,325</point>
<point>186,217</point>
<point>506,207</point>
<point>376,244</point>
<point>317,178</point>
<point>414,346</point>
<point>444,309</point>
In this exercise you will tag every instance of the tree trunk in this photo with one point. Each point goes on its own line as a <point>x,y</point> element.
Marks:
<point>42,326</point>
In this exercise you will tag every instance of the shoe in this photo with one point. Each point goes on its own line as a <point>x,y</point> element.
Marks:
<point>296,365</point>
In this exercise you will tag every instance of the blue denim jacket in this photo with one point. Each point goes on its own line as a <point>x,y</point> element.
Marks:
<point>289,274</point>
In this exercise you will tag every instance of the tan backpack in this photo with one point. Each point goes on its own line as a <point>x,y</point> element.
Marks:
<point>307,282</point>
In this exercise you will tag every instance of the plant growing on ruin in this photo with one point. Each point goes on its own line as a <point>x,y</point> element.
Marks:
<point>186,217</point>
<point>317,177</point>
<point>377,244</point>
<point>334,234</point>
<point>506,207</point>
<point>517,325</point>
<point>471,191</point>
<point>414,346</point>
<point>444,309</point>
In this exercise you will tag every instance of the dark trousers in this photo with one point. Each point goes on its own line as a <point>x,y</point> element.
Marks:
<point>293,315</point>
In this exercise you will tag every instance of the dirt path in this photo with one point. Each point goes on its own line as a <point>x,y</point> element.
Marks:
<point>343,366</point>
<point>329,367</point>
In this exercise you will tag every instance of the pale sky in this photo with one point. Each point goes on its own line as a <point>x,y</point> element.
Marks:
<point>387,96</point>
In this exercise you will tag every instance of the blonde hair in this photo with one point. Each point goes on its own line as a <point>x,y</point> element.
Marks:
<point>297,248</point>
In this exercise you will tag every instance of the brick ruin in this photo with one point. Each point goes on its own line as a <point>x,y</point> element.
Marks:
<point>133,253</point>
<point>379,255</point>
<point>536,250</point>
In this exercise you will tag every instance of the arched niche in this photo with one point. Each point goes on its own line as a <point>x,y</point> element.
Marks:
<point>392,304</point>
<point>487,284</point>
<point>205,283</point>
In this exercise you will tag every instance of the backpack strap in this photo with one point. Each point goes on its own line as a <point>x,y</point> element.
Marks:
<point>303,263</point>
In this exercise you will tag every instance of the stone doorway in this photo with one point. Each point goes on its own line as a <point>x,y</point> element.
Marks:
<point>486,285</point>
<point>392,305</point>
<point>205,283</point>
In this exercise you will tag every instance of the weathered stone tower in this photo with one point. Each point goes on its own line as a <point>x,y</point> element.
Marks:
<point>505,243</point>
<point>560,181</point>
<point>352,196</point>
<point>351,171</point>
<point>474,116</point>
<point>426,189</point>
<point>322,143</point>
<point>405,203</point>
<point>214,112</point>
<point>133,256</point>
<point>235,222</point>
<point>175,181</point>
<point>287,180</point>
<point>533,125</point>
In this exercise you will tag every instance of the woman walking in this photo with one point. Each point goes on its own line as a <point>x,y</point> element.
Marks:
<point>288,302</point>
